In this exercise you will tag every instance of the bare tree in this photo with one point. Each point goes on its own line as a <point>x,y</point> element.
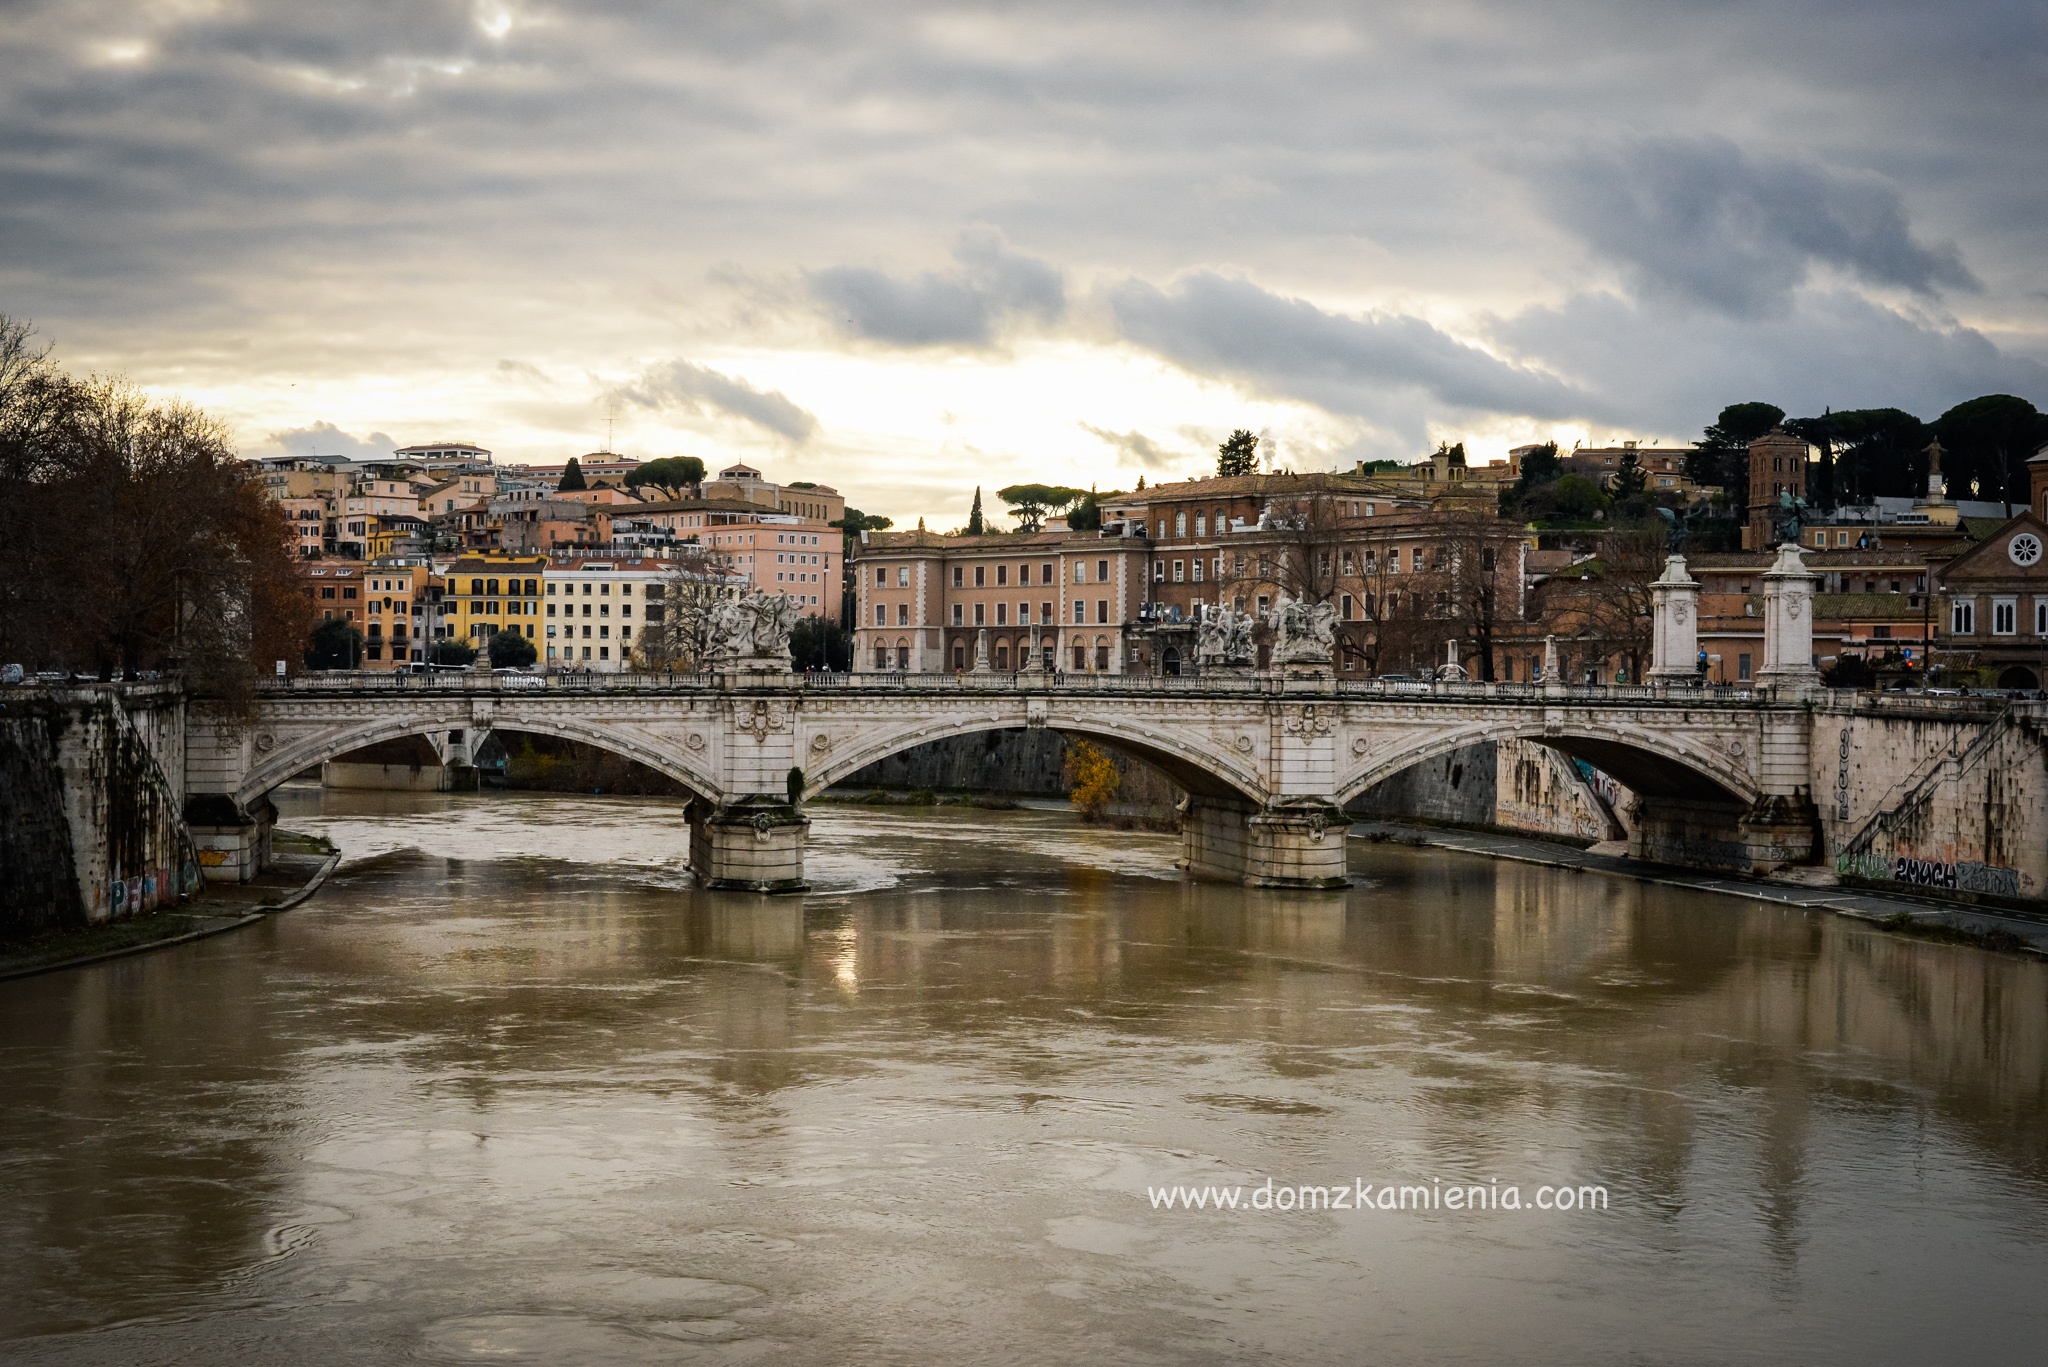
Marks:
<point>1295,551</point>
<point>131,537</point>
<point>1618,611</point>
<point>678,611</point>
<point>1395,631</point>
<point>1480,578</point>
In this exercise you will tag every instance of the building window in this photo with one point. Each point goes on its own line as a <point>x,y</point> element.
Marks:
<point>956,614</point>
<point>2041,616</point>
<point>903,657</point>
<point>1347,607</point>
<point>1101,654</point>
<point>1180,524</point>
<point>1102,571</point>
<point>1023,614</point>
<point>881,577</point>
<point>1080,656</point>
<point>957,580</point>
<point>1880,633</point>
<point>1080,571</point>
<point>881,615</point>
<point>1179,571</point>
<point>1742,668</point>
<point>980,576</point>
<point>1102,610</point>
<point>903,576</point>
<point>2005,616</point>
<point>959,657</point>
<point>1002,614</point>
<point>903,614</point>
<point>1962,617</point>
<point>1080,612</point>
<point>981,614</point>
<point>1002,577</point>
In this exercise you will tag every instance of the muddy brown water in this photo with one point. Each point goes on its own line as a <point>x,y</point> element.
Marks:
<point>510,1089</point>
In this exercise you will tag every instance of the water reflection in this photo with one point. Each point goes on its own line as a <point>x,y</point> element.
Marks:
<point>512,1088</point>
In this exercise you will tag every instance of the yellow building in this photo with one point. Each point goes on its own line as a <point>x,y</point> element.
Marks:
<point>490,592</point>
<point>395,613</point>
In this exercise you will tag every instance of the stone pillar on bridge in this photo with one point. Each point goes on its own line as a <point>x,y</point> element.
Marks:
<point>1674,648</point>
<point>1782,826</point>
<point>1295,840</point>
<point>1553,677</point>
<point>753,839</point>
<point>1788,624</point>
<point>233,839</point>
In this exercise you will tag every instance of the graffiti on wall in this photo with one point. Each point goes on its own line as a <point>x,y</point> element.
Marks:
<point>1958,875</point>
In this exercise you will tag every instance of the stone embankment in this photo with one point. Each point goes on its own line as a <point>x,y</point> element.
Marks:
<point>92,823</point>
<point>1013,764</point>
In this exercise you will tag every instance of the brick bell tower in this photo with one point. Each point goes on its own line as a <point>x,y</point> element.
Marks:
<point>1777,465</point>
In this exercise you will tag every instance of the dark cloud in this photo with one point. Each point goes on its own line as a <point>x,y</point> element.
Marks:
<point>1830,349</point>
<point>960,308</point>
<point>325,439</point>
<point>526,372</point>
<point>695,389</point>
<point>1365,367</point>
<point>1139,449</point>
<point>1698,220</point>
<point>223,197</point>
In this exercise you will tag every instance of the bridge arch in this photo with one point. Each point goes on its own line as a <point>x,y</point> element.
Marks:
<point>1193,767</point>
<point>302,752</point>
<point>1650,762</point>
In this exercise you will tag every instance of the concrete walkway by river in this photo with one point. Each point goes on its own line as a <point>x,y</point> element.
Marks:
<point>1861,903</point>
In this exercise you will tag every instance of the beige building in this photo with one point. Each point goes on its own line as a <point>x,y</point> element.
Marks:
<point>934,604</point>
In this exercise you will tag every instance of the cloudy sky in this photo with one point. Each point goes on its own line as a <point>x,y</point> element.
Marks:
<point>906,249</point>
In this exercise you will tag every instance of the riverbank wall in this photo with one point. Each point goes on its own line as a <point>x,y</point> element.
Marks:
<point>1508,785</point>
<point>1953,806</point>
<point>1019,764</point>
<point>92,825</point>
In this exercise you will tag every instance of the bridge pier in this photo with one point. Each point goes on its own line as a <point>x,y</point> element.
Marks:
<point>233,842</point>
<point>754,844</point>
<point>1294,843</point>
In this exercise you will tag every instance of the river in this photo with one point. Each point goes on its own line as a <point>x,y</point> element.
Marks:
<point>510,1089</point>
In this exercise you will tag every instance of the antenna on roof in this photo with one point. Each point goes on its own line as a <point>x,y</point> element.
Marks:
<point>611,416</point>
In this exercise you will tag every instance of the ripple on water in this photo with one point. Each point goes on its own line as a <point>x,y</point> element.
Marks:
<point>617,1318</point>
<point>563,1339</point>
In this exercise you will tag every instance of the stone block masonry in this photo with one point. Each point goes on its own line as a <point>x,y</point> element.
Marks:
<point>91,817</point>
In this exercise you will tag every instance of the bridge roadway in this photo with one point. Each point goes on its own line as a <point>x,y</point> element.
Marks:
<point>1723,776</point>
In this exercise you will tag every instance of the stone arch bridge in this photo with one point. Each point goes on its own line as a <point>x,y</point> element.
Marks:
<point>1724,779</point>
